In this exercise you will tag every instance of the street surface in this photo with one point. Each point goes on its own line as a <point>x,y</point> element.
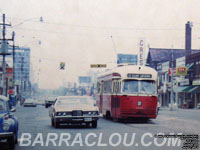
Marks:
<point>36,120</point>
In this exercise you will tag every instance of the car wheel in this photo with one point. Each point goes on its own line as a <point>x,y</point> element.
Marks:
<point>56,124</point>
<point>94,124</point>
<point>11,142</point>
<point>16,140</point>
<point>52,122</point>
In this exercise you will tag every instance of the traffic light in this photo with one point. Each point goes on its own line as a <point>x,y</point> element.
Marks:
<point>62,66</point>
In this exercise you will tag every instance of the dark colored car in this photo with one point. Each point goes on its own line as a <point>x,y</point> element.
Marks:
<point>50,101</point>
<point>8,123</point>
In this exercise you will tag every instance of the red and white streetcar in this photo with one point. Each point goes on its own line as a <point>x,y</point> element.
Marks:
<point>128,91</point>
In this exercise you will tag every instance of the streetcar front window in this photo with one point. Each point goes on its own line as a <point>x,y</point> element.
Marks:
<point>130,86</point>
<point>147,86</point>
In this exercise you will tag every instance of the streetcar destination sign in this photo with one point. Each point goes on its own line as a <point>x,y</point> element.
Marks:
<point>139,75</point>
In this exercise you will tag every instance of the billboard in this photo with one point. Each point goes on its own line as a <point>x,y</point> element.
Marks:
<point>127,58</point>
<point>84,79</point>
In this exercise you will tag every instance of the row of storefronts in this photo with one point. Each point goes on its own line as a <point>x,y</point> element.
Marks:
<point>186,85</point>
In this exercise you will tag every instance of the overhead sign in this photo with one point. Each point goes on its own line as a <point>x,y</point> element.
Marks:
<point>84,79</point>
<point>184,82</point>
<point>174,71</point>
<point>196,82</point>
<point>9,72</point>
<point>181,71</point>
<point>178,71</point>
<point>165,66</point>
<point>127,58</point>
<point>98,66</point>
<point>141,52</point>
<point>62,66</point>
<point>180,62</point>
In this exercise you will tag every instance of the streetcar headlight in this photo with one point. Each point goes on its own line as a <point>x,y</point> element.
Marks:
<point>6,126</point>
<point>89,113</point>
<point>94,113</point>
<point>64,114</point>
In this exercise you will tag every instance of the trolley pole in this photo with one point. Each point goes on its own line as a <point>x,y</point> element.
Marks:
<point>172,78</point>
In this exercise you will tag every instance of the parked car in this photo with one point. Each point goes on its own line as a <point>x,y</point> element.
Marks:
<point>50,101</point>
<point>8,123</point>
<point>198,106</point>
<point>29,103</point>
<point>73,110</point>
<point>40,102</point>
<point>158,107</point>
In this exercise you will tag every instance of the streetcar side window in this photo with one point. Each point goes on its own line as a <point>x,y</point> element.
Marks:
<point>113,87</point>
<point>107,86</point>
<point>119,89</point>
<point>98,87</point>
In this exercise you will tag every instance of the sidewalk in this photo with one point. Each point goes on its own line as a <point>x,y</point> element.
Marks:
<point>179,109</point>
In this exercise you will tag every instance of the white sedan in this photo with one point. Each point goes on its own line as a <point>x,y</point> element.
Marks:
<point>74,110</point>
<point>29,103</point>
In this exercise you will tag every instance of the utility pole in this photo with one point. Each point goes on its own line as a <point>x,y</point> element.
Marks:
<point>22,85</point>
<point>172,78</point>
<point>4,52</point>
<point>13,38</point>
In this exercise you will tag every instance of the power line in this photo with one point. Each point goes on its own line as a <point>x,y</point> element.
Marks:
<point>79,34</point>
<point>98,27</point>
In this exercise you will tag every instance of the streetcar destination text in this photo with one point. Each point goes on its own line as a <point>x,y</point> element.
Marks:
<point>130,75</point>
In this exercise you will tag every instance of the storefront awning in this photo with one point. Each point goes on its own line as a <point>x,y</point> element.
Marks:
<point>195,89</point>
<point>188,89</point>
<point>190,66</point>
<point>180,89</point>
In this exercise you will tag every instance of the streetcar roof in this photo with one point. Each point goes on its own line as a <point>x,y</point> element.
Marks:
<point>123,71</point>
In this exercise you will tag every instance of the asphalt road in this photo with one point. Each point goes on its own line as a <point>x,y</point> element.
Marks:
<point>108,135</point>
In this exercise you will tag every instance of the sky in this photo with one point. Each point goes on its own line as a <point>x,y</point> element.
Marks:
<point>84,32</point>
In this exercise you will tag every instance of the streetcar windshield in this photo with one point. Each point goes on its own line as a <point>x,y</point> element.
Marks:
<point>147,86</point>
<point>142,86</point>
<point>130,86</point>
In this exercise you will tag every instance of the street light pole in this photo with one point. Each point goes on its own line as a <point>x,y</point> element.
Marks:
<point>22,72</point>
<point>13,37</point>
<point>172,78</point>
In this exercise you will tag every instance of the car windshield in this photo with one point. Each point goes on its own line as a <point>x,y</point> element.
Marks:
<point>130,86</point>
<point>72,101</point>
<point>2,106</point>
<point>147,86</point>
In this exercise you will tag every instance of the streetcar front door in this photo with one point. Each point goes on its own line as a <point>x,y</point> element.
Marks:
<point>116,100</point>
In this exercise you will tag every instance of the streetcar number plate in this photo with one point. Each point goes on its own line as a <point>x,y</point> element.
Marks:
<point>139,103</point>
<point>88,119</point>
